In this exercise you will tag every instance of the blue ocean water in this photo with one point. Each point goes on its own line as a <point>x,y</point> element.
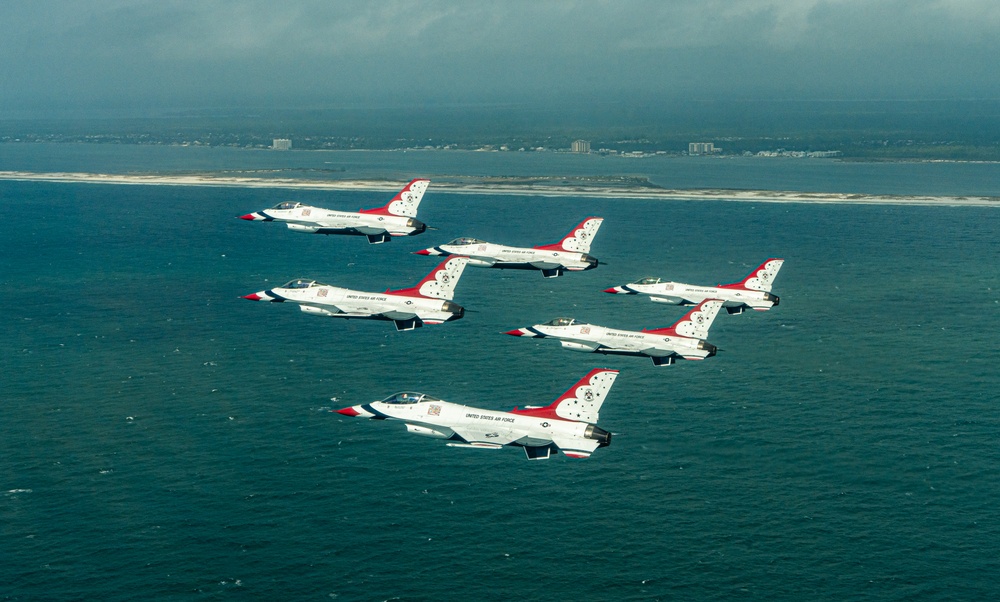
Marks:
<point>165,439</point>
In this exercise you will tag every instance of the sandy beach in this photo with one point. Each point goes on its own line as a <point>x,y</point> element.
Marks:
<point>542,190</point>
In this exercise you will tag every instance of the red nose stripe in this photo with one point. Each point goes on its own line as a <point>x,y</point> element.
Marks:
<point>515,333</point>
<point>422,252</point>
<point>610,290</point>
<point>349,412</point>
<point>248,217</point>
<point>252,297</point>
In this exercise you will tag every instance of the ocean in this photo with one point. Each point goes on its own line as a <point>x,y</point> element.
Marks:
<point>165,439</point>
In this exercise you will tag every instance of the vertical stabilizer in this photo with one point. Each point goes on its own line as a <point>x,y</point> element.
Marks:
<point>579,239</point>
<point>405,203</point>
<point>760,279</point>
<point>695,323</point>
<point>441,282</point>
<point>582,402</point>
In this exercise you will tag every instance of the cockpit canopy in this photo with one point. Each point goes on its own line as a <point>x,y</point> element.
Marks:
<point>648,281</point>
<point>408,397</point>
<point>561,322</point>
<point>302,283</point>
<point>287,205</point>
<point>465,240</point>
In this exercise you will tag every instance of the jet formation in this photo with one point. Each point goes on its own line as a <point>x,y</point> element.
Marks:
<point>567,425</point>
<point>552,260</point>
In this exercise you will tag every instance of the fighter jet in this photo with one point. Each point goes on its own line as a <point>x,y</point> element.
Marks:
<point>685,339</point>
<point>753,292</point>
<point>569,254</point>
<point>429,302</point>
<point>396,218</point>
<point>568,425</point>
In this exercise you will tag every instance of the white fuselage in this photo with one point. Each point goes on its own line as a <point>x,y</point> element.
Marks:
<point>339,302</point>
<point>678,293</point>
<point>599,339</point>
<point>490,255</point>
<point>317,220</point>
<point>485,428</point>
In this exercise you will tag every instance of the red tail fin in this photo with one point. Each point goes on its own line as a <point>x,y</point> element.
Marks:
<point>440,283</point>
<point>695,323</point>
<point>579,238</point>
<point>581,402</point>
<point>761,278</point>
<point>405,203</point>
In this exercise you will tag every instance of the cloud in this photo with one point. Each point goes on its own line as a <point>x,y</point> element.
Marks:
<point>306,51</point>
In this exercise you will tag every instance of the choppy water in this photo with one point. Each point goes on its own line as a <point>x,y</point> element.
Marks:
<point>163,438</point>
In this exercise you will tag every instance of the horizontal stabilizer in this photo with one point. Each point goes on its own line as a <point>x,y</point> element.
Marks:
<point>408,324</point>
<point>378,238</point>
<point>538,453</point>
<point>575,447</point>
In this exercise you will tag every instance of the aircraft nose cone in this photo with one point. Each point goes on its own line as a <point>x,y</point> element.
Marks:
<point>613,290</point>
<point>515,333</point>
<point>252,297</point>
<point>348,412</point>
<point>422,252</point>
<point>249,217</point>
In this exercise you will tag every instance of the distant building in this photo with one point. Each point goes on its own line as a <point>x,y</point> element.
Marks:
<point>701,148</point>
<point>281,144</point>
<point>580,146</point>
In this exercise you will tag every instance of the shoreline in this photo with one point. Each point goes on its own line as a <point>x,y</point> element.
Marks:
<point>544,190</point>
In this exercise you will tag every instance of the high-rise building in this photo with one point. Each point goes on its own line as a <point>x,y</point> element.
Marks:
<point>281,144</point>
<point>701,148</point>
<point>580,146</point>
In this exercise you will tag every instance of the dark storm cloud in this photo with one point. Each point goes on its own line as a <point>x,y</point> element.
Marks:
<point>216,52</point>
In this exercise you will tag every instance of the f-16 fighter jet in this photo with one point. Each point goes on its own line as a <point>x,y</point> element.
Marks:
<point>752,292</point>
<point>685,339</point>
<point>567,425</point>
<point>396,218</point>
<point>429,302</point>
<point>569,254</point>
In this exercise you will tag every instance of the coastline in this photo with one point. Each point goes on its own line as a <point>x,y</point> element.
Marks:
<point>522,189</point>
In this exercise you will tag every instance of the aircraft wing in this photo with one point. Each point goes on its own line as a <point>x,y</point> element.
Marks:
<point>368,230</point>
<point>399,314</point>
<point>580,345</point>
<point>499,435</point>
<point>655,351</point>
<point>323,310</point>
<point>671,299</point>
<point>545,264</point>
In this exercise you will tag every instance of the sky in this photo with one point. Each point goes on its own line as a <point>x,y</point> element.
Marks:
<point>58,55</point>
